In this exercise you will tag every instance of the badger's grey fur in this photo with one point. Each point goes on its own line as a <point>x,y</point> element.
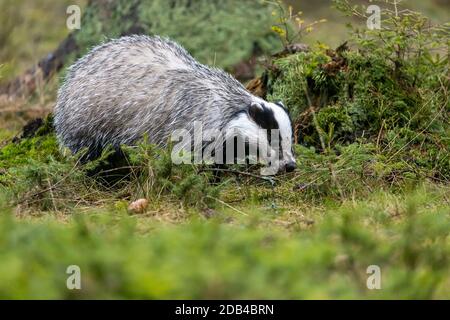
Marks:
<point>140,85</point>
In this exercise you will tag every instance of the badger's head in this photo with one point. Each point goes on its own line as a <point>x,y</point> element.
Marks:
<point>267,128</point>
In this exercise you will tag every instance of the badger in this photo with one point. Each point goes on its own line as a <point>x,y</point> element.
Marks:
<point>150,86</point>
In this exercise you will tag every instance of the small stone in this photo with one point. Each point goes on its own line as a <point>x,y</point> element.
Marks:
<point>138,206</point>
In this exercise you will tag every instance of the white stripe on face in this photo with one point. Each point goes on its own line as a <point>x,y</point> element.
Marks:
<point>285,126</point>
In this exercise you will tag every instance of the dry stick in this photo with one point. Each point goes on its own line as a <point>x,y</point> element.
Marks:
<point>239,172</point>
<point>306,185</point>
<point>229,206</point>
<point>379,133</point>
<point>396,9</point>
<point>116,169</point>
<point>51,193</point>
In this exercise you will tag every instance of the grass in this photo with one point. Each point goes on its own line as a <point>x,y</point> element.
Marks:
<point>295,237</point>
<point>299,252</point>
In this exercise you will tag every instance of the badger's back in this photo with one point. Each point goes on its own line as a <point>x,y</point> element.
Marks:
<point>140,85</point>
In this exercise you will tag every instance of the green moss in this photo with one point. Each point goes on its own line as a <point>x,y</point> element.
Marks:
<point>372,94</point>
<point>221,33</point>
<point>33,167</point>
<point>38,148</point>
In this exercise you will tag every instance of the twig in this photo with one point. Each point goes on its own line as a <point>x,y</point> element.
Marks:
<point>265,178</point>
<point>229,206</point>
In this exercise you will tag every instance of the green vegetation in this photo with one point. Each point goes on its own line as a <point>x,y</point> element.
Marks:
<point>372,188</point>
<point>262,255</point>
<point>190,23</point>
<point>22,43</point>
<point>388,100</point>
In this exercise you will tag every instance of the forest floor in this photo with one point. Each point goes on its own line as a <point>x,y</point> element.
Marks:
<point>283,238</point>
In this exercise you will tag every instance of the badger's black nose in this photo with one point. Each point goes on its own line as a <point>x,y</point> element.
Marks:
<point>290,166</point>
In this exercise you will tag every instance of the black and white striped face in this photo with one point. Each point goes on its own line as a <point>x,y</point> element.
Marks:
<point>275,141</point>
<point>271,116</point>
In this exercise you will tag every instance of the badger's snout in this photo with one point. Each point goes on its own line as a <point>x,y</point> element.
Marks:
<point>279,167</point>
<point>290,166</point>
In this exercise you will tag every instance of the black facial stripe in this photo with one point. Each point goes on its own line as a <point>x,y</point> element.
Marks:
<point>266,119</point>
<point>281,105</point>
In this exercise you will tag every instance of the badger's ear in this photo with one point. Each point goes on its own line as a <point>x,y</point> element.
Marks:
<point>255,110</point>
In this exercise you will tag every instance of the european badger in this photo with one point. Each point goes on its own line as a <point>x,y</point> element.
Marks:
<point>139,85</point>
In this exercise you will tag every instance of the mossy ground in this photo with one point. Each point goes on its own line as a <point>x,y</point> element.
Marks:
<point>296,236</point>
<point>262,255</point>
